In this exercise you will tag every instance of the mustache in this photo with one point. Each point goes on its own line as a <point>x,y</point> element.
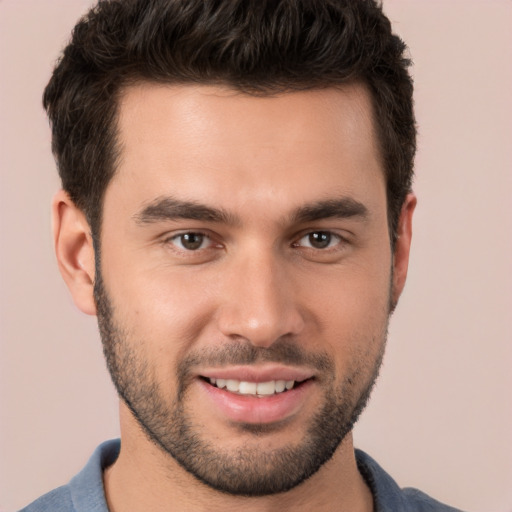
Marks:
<point>244,353</point>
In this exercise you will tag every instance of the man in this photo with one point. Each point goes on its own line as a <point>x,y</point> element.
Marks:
<point>236,210</point>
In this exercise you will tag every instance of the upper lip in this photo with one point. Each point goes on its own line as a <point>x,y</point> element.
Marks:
<point>258,373</point>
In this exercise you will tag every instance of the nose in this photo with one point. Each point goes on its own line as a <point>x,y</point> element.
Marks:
<point>258,302</point>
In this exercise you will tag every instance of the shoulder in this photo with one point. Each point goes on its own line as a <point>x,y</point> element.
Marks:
<point>58,500</point>
<point>424,503</point>
<point>389,497</point>
<point>84,492</point>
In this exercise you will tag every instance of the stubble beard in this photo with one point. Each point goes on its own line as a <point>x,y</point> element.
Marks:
<point>247,470</point>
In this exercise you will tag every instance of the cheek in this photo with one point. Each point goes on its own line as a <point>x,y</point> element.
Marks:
<point>163,312</point>
<point>353,295</point>
<point>352,314</point>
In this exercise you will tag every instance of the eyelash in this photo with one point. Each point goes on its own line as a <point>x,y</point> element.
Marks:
<point>177,241</point>
<point>330,235</point>
<point>179,237</point>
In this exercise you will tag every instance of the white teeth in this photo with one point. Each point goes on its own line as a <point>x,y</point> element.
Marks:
<point>252,388</point>
<point>233,385</point>
<point>266,388</point>
<point>248,388</point>
<point>281,386</point>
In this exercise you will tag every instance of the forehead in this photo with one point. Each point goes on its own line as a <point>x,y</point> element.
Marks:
<point>213,144</point>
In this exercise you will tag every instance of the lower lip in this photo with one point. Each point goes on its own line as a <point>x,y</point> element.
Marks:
<point>257,410</point>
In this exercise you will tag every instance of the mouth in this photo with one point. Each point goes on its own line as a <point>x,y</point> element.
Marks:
<point>256,389</point>
<point>256,395</point>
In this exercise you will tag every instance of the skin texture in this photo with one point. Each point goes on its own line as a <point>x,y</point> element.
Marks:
<point>253,292</point>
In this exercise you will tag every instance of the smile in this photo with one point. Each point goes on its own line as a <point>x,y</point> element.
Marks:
<point>257,402</point>
<point>258,394</point>
<point>259,389</point>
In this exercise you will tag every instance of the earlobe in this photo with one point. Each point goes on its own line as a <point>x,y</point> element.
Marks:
<point>74,250</point>
<point>402,247</point>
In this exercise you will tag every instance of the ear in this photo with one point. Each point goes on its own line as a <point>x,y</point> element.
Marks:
<point>74,250</point>
<point>402,247</point>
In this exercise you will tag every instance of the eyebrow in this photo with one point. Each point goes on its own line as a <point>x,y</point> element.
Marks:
<point>342,208</point>
<point>169,208</point>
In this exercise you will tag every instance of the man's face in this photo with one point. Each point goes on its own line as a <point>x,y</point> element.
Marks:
<point>245,276</point>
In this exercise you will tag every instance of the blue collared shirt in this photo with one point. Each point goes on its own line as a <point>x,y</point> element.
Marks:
<point>85,493</point>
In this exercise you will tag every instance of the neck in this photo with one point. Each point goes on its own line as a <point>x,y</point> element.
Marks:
<point>146,478</point>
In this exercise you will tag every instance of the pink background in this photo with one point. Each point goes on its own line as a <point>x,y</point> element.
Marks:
<point>441,416</point>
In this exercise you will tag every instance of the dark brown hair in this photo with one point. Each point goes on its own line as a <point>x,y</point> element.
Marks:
<point>259,47</point>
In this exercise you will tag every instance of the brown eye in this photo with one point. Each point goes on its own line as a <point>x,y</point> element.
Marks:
<point>190,241</point>
<point>322,246</point>
<point>319,239</point>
